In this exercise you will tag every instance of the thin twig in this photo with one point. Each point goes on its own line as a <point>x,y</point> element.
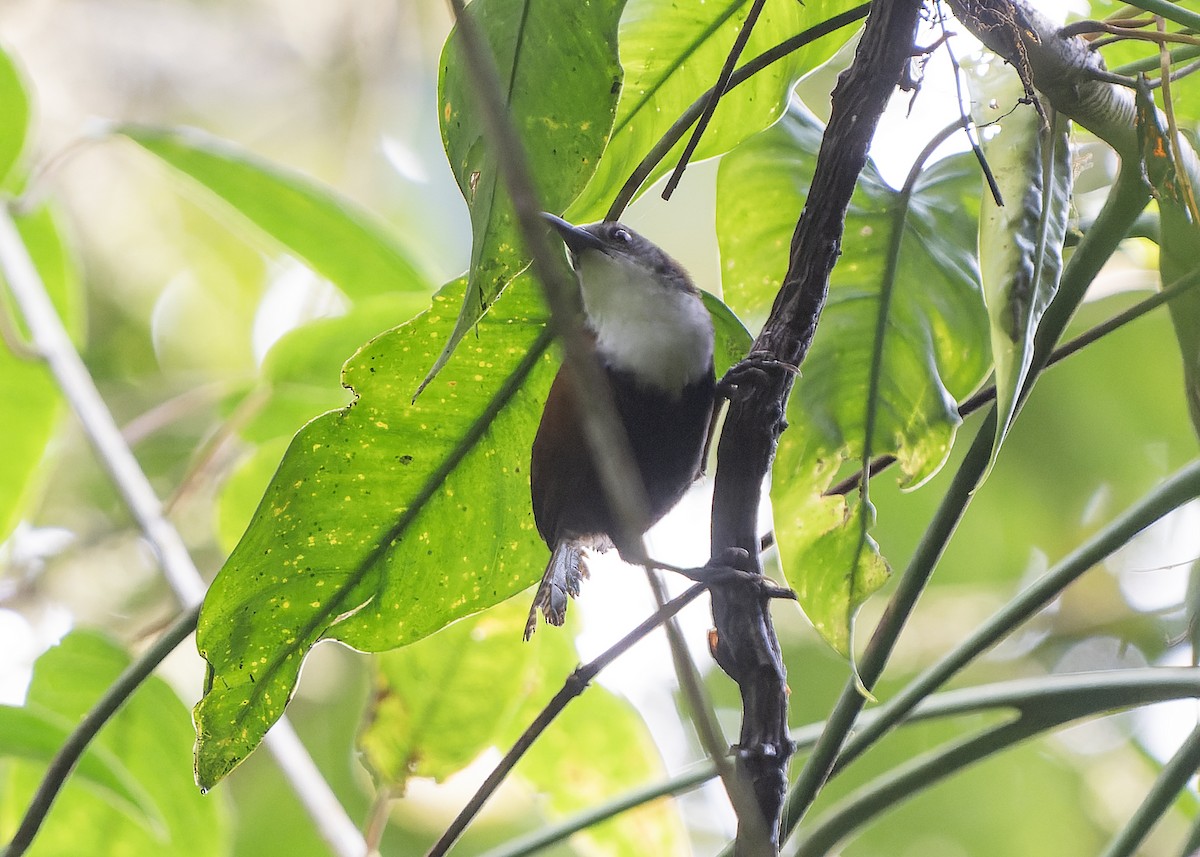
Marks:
<point>1158,801</point>
<point>708,729</point>
<point>1083,28</point>
<point>574,685</point>
<point>50,338</point>
<point>967,125</point>
<point>675,133</point>
<point>68,755</point>
<point>714,96</point>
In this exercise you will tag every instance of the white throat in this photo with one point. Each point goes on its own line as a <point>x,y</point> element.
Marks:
<point>658,332</point>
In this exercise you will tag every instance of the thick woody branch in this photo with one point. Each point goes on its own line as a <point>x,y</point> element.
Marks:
<point>746,646</point>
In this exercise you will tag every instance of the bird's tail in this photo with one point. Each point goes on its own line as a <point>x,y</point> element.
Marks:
<point>565,571</point>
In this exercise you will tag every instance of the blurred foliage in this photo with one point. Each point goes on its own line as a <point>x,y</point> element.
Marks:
<point>228,277</point>
<point>167,812</point>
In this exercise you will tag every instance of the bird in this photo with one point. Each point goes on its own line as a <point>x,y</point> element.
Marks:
<point>653,338</point>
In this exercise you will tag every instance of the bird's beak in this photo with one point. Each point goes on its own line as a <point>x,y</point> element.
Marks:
<point>576,239</point>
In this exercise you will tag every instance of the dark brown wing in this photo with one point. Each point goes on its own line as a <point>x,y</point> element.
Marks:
<point>667,439</point>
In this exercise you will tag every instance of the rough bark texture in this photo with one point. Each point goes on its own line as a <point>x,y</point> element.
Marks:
<point>745,645</point>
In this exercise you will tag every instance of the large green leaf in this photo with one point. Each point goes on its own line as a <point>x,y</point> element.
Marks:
<point>27,387</point>
<point>671,53</point>
<point>1020,242</point>
<point>14,121</point>
<point>445,699</point>
<point>935,347</point>
<point>150,735</point>
<point>558,66</point>
<point>386,520</point>
<point>36,735</point>
<point>326,231</point>
<point>300,379</point>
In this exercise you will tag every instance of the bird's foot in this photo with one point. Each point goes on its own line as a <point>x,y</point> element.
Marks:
<point>734,567</point>
<point>754,368</point>
<point>564,574</point>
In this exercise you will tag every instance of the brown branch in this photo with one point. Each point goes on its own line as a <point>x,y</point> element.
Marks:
<point>746,646</point>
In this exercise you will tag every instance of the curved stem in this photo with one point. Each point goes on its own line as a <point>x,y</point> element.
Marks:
<point>1181,488</point>
<point>1078,695</point>
<point>689,116</point>
<point>1158,800</point>
<point>1042,705</point>
<point>69,754</point>
<point>50,337</point>
<point>572,687</point>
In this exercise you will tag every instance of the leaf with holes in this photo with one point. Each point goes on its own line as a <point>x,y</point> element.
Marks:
<point>934,351</point>
<point>386,520</point>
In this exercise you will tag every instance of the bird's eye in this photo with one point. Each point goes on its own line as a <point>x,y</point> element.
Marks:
<point>622,235</point>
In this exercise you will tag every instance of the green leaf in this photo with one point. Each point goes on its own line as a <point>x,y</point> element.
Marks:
<point>671,53</point>
<point>150,736</point>
<point>597,749</point>
<point>36,735</point>
<point>300,379</point>
<point>445,699</point>
<point>558,67</point>
<point>1176,191</point>
<point>27,387</point>
<point>386,520</point>
<point>731,339</point>
<point>1020,243</point>
<point>15,122</point>
<point>934,351</point>
<point>326,231</point>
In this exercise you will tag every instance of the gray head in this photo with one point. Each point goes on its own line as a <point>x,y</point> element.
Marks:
<point>647,316</point>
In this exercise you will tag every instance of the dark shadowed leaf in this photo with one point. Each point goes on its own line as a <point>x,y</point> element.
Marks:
<point>558,67</point>
<point>935,347</point>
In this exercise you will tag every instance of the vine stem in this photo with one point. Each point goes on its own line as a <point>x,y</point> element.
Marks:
<point>49,337</point>
<point>1119,212</point>
<point>574,685</point>
<point>68,755</point>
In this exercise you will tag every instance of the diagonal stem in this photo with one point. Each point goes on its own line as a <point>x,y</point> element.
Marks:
<point>50,338</point>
